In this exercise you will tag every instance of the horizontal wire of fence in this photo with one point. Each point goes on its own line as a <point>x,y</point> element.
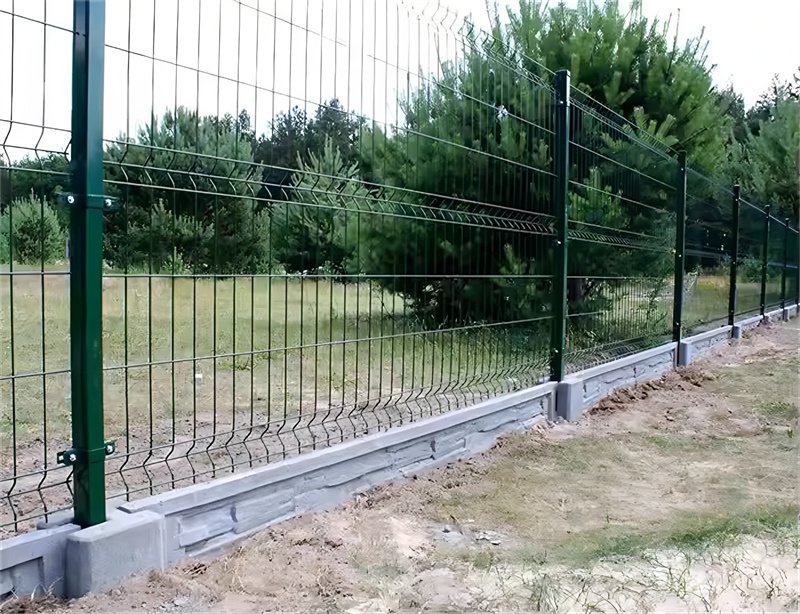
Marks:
<point>323,220</point>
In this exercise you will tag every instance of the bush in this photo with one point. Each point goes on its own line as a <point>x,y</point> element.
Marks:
<point>30,233</point>
<point>233,240</point>
<point>750,270</point>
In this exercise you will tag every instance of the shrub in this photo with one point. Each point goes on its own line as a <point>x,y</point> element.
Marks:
<point>233,240</point>
<point>30,233</point>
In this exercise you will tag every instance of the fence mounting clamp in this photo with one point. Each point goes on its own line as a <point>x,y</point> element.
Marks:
<point>93,201</point>
<point>70,456</point>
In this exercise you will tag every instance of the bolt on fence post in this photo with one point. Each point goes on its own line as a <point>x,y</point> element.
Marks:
<point>86,262</point>
<point>680,246</point>
<point>785,269</point>
<point>734,256</point>
<point>764,257</point>
<point>560,213</point>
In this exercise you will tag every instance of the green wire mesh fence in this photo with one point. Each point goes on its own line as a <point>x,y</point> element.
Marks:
<point>709,249</point>
<point>621,238</point>
<point>321,220</point>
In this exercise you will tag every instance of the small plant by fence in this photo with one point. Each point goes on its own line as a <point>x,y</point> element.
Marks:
<point>293,225</point>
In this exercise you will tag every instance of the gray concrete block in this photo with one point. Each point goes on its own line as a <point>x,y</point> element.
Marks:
<point>411,453</point>
<point>100,556</point>
<point>691,347</point>
<point>325,498</point>
<point>493,423</point>
<point>785,314</point>
<point>585,388</point>
<point>481,441</point>
<point>748,323</point>
<point>569,399</point>
<point>33,563</point>
<point>343,472</point>
<point>205,525</point>
<point>587,392</point>
<point>173,552</point>
<point>262,510</point>
<point>444,445</point>
<point>736,331</point>
<point>685,353</point>
<point>6,582</point>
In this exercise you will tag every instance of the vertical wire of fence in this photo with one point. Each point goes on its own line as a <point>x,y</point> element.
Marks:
<point>320,220</point>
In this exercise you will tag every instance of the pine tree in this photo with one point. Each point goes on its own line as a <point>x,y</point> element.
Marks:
<point>319,228</point>
<point>470,172</point>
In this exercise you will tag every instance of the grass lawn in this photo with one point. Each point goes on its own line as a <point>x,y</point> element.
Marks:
<point>199,370</point>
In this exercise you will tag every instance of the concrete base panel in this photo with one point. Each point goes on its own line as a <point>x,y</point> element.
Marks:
<point>203,519</point>
<point>585,388</point>
<point>692,347</point>
<point>32,565</point>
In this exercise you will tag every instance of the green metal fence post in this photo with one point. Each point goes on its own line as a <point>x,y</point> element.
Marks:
<point>785,269</point>
<point>560,208</point>
<point>680,246</point>
<point>734,257</point>
<point>764,257</point>
<point>88,451</point>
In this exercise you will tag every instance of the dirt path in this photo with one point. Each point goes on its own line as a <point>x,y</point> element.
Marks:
<point>678,495</point>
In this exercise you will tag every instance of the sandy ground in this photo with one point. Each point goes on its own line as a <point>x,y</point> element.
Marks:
<point>677,495</point>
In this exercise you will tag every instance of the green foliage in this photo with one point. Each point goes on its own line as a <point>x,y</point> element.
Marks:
<point>463,169</point>
<point>765,160</point>
<point>165,240</point>
<point>30,233</point>
<point>199,169</point>
<point>774,166</point>
<point>44,176</point>
<point>626,62</point>
<point>313,231</point>
<point>750,269</point>
<point>294,135</point>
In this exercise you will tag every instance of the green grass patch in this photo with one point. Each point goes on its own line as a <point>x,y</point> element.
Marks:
<point>695,533</point>
<point>778,409</point>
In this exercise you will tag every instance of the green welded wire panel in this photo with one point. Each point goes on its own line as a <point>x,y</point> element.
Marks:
<point>334,218</point>
<point>750,252</point>
<point>317,245</point>
<point>774,269</point>
<point>710,245</point>
<point>35,136</point>
<point>621,238</point>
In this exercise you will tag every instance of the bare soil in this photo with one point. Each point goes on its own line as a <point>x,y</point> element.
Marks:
<point>676,495</point>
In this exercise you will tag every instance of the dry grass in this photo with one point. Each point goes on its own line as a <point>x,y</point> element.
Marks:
<point>284,344</point>
<point>216,374</point>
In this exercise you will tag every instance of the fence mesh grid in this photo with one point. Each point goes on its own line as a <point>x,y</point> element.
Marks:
<point>621,218</point>
<point>333,218</point>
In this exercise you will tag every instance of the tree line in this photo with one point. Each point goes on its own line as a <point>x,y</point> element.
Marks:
<point>448,208</point>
